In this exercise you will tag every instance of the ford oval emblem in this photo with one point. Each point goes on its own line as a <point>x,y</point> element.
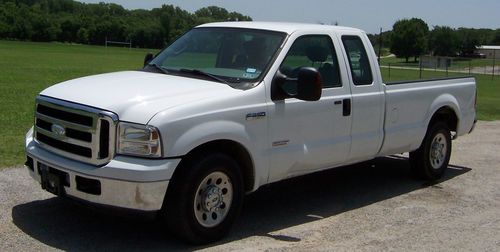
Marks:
<point>58,130</point>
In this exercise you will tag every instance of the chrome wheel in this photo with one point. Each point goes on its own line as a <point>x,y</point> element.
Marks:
<point>438,151</point>
<point>213,199</point>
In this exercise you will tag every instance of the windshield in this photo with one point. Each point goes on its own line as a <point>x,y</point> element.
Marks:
<point>232,54</point>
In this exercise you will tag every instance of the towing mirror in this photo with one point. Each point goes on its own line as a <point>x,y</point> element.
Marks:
<point>148,58</point>
<point>308,87</point>
<point>308,84</point>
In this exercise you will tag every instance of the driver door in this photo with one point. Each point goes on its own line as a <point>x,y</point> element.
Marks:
<point>306,136</point>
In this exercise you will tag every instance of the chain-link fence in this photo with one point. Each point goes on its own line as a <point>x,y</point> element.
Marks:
<point>437,67</point>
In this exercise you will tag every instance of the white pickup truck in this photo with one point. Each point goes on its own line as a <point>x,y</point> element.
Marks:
<point>229,107</point>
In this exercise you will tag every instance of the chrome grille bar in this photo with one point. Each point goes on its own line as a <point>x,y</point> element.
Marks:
<point>64,138</point>
<point>58,116</point>
<point>66,124</point>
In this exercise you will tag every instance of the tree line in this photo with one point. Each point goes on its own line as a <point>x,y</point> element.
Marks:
<point>76,22</point>
<point>412,38</point>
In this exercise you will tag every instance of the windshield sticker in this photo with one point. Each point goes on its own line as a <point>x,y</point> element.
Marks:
<point>251,70</point>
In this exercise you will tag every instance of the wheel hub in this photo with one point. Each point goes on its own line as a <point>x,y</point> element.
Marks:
<point>212,198</point>
<point>438,151</point>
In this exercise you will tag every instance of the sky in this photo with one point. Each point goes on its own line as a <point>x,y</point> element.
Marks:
<point>369,15</point>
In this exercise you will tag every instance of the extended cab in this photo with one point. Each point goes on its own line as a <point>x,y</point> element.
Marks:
<point>229,107</point>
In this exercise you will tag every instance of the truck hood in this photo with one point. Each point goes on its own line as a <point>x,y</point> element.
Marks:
<point>137,96</point>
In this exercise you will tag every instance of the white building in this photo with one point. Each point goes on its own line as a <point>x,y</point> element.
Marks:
<point>490,51</point>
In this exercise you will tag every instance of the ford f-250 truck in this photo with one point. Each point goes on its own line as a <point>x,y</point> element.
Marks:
<point>229,107</point>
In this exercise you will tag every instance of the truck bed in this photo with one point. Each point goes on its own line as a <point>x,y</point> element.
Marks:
<point>411,104</point>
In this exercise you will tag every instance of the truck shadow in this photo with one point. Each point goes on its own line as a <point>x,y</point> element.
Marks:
<point>67,225</point>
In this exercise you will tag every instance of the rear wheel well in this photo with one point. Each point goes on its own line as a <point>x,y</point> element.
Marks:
<point>231,148</point>
<point>446,115</point>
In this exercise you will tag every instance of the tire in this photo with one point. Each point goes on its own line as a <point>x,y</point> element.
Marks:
<point>431,159</point>
<point>204,198</point>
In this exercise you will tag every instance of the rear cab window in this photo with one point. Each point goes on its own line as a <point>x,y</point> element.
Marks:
<point>358,60</point>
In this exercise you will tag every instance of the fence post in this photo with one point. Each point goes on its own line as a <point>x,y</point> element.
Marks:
<point>389,71</point>
<point>420,67</point>
<point>493,70</point>
<point>470,65</point>
<point>446,69</point>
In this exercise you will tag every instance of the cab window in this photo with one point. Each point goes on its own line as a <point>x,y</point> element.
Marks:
<point>358,60</point>
<point>312,51</point>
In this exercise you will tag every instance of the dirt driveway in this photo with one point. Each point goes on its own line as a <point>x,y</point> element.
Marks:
<point>373,206</point>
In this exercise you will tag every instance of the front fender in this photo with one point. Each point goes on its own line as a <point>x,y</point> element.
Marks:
<point>221,130</point>
<point>207,132</point>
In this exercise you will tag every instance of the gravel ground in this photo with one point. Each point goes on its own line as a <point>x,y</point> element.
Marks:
<point>371,206</point>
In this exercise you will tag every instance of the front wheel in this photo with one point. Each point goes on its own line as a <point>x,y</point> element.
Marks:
<point>204,199</point>
<point>431,159</point>
<point>213,199</point>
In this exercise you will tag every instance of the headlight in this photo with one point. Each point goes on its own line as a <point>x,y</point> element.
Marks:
<point>138,140</point>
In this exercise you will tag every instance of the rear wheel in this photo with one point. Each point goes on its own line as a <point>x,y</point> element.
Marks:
<point>431,159</point>
<point>204,199</point>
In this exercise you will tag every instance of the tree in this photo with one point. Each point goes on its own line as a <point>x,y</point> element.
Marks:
<point>214,12</point>
<point>235,16</point>
<point>496,39</point>
<point>82,36</point>
<point>166,26</point>
<point>409,38</point>
<point>444,41</point>
<point>70,21</point>
<point>468,40</point>
<point>70,27</point>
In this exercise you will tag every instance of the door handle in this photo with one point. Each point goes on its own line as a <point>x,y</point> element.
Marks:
<point>337,102</point>
<point>346,108</point>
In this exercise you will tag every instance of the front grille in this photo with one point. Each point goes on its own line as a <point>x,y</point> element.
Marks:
<point>61,145</point>
<point>64,115</point>
<point>75,131</point>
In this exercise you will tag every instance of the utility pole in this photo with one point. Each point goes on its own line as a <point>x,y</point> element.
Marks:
<point>379,44</point>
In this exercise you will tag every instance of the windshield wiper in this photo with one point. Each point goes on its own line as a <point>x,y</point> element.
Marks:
<point>199,72</point>
<point>158,67</point>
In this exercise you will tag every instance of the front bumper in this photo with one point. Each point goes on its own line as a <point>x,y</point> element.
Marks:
<point>126,182</point>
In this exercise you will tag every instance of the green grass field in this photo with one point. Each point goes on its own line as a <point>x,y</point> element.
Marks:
<point>27,68</point>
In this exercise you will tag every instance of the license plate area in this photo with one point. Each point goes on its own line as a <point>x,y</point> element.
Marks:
<point>53,180</point>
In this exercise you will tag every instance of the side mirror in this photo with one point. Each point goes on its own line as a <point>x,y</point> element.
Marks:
<point>148,58</point>
<point>308,84</point>
<point>308,87</point>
